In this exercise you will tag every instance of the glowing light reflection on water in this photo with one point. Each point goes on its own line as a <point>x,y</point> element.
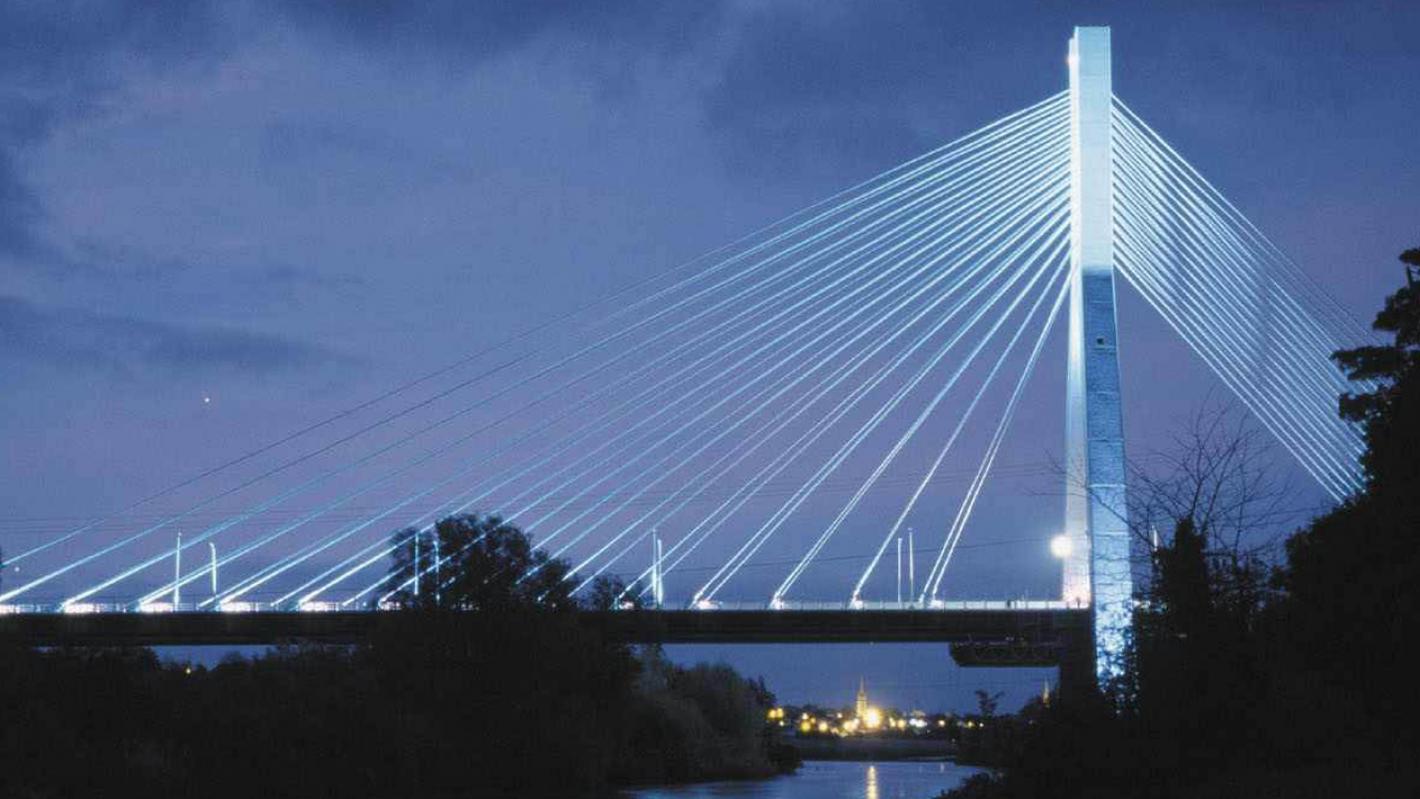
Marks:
<point>830,780</point>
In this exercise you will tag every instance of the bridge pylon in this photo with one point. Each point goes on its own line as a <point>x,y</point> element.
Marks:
<point>1096,570</point>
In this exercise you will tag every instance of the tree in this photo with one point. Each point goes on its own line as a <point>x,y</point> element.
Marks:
<point>1196,669</point>
<point>1206,512</point>
<point>476,562</point>
<point>986,703</point>
<point>1294,686</point>
<point>612,593</point>
<point>1218,474</point>
<point>1390,411</point>
<point>1352,577</point>
<point>408,573</point>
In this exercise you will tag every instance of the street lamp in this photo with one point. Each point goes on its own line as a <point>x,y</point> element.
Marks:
<point>1060,546</point>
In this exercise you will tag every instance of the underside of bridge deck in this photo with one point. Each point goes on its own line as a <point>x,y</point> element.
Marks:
<point>1036,631</point>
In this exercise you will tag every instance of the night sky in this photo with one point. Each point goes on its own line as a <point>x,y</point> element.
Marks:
<point>220,222</point>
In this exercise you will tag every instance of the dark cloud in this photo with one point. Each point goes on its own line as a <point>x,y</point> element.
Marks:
<point>71,43</point>
<point>19,211</point>
<point>58,60</point>
<point>809,89</point>
<point>115,267</point>
<point>289,277</point>
<point>471,32</point>
<point>836,88</point>
<point>289,141</point>
<point>84,340</point>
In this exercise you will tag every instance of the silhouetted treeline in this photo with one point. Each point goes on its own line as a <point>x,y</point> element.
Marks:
<point>1247,678</point>
<point>520,698</point>
<point>986,738</point>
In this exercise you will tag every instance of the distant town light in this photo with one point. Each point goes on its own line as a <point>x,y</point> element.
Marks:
<point>873,719</point>
<point>1061,546</point>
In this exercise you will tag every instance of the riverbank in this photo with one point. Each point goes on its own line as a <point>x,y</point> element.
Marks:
<point>873,749</point>
<point>533,703</point>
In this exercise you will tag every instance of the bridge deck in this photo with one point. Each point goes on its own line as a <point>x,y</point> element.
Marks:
<point>664,626</point>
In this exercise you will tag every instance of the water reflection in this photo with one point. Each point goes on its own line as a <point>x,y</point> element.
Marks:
<point>826,780</point>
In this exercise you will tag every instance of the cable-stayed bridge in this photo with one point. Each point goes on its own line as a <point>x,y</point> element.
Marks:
<point>748,410</point>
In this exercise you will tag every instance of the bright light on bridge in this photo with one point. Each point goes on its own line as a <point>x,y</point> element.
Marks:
<point>1061,546</point>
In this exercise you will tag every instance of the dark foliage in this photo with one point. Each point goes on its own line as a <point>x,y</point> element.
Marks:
<point>1296,683</point>
<point>475,562</point>
<point>498,688</point>
<point>1352,578</point>
<point>692,722</point>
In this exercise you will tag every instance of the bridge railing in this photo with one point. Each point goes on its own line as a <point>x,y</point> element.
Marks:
<point>78,608</point>
<point>939,604</point>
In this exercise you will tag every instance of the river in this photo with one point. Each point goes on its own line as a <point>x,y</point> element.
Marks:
<point>821,779</point>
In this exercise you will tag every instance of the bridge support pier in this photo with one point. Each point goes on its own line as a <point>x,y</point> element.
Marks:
<point>1097,571</point>
<point>1077,664</point>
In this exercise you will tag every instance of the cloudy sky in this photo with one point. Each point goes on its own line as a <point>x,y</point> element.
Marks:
<point>220,222</point>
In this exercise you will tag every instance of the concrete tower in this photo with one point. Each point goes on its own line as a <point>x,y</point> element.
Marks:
<point>1096,571</point>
